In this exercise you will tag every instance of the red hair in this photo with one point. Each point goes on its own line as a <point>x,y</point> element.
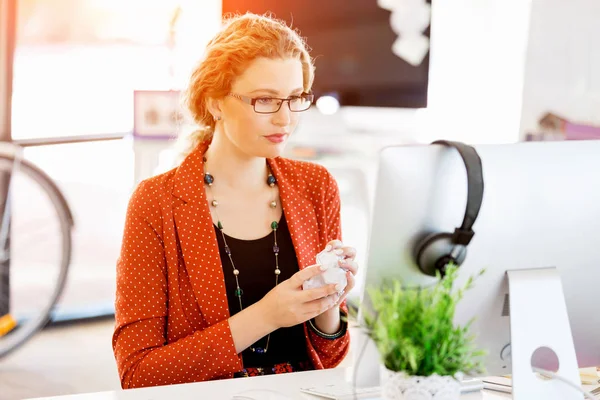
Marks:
<point>242,39</point>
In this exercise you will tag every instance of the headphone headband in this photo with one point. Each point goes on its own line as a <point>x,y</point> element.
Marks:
<point>475,186</point>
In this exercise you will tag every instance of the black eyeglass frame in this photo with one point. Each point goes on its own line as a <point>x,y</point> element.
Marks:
<point>252,101</point>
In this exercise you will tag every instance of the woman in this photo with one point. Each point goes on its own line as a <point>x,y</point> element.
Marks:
<point>215,252</point>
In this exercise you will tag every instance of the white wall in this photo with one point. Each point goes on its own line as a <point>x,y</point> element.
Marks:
<point>477,62</point>
<point>563,62</point>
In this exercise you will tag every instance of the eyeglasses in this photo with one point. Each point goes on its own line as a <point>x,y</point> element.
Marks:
<point>271,105</point>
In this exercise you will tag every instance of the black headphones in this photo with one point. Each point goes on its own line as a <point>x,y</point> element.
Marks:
<point>436,250</point>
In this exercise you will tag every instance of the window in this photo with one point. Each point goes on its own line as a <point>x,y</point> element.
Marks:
<point>77,62</point>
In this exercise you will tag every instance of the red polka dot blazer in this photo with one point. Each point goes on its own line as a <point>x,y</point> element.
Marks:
<point>171,307</point>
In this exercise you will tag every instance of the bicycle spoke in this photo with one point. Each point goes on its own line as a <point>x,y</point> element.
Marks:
<point>28,220</point>
<point>4,228</point>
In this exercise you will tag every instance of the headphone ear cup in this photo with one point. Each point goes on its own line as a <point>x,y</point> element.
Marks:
<point>435,251</point>
<point>423,252</point>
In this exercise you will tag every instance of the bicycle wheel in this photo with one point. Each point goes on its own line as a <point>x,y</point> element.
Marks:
<point>35,258</point>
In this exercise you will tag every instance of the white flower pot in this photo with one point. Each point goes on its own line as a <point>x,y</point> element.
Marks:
<point>400,386</point>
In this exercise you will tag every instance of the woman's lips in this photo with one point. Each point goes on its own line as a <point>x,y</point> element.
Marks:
<point>276,138</point>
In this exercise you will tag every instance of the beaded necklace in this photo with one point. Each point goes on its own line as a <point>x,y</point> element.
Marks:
<point>271,182</point>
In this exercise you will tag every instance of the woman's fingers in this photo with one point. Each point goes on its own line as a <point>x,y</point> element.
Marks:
<point>349,265</point>
<point>348,252</point>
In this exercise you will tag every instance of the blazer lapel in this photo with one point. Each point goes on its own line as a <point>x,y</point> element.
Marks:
<point>198,240</point>
<point>299,213</point>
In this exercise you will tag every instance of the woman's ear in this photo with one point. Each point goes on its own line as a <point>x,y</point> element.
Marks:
<point>214,108</point>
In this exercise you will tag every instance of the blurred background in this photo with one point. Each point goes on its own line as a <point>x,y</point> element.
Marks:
<point>89,88</point>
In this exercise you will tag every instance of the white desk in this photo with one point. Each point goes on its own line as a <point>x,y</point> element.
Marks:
<point>288,384</point>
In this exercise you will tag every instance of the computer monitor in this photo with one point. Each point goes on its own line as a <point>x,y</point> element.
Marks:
<point>539,223</point>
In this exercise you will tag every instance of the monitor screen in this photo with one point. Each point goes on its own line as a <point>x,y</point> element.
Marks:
<point>351,42</point>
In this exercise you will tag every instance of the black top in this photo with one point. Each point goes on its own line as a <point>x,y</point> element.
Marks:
<point>256,262</point>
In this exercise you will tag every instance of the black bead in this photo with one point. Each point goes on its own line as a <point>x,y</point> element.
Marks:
<point>208,179</point>
<point>271,180</point>
<point>259,350</point>
<point>227,249</point>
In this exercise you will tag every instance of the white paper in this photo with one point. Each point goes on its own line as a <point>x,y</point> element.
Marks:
<point>333,273</point>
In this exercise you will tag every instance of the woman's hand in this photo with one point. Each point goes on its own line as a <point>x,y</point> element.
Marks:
<point>347,263</point>
<point>288,304</point>
<point>329,321</point>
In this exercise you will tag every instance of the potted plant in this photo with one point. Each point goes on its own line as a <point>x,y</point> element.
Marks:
<point>423,352</point>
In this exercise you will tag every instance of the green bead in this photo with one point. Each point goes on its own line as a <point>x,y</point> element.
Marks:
<point>239,292</point>
<point>219,225</point>
<point>274,225</point>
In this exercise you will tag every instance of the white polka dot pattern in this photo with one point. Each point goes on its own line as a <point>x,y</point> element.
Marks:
<point>171,306</point>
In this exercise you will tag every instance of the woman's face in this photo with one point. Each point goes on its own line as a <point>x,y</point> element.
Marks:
<point>256,134</point>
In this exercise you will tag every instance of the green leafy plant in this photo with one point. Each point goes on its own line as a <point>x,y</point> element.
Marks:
<point>414,328</point>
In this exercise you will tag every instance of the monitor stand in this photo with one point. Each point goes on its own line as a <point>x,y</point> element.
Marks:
<point>538,318</point>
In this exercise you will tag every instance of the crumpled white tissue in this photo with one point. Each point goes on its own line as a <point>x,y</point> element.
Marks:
<point>333,273</point>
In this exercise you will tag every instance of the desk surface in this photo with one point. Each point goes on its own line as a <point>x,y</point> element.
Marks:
<point>286,384</point>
